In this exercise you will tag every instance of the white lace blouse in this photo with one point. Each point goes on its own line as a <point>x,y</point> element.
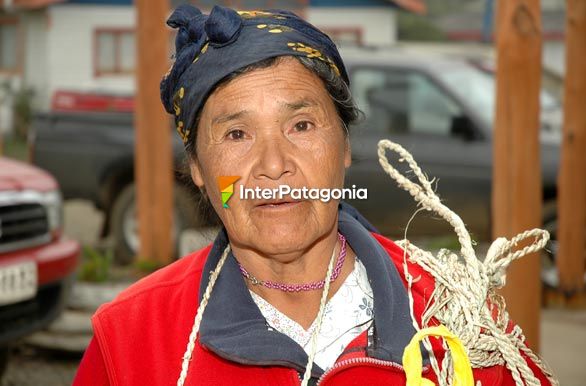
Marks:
<point>348,313</point>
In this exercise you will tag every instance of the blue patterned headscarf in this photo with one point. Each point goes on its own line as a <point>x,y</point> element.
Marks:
<point>210,47</point>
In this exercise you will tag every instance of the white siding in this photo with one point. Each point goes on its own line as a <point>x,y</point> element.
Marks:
<point>554,57</point>
<point>35,73</point>
<point>71,47</point>
<point>6,115</point>
<point>378,25</point>
<point>60,44</point>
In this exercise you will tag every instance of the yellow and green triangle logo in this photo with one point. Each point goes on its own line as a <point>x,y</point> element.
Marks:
<point>226,185</point>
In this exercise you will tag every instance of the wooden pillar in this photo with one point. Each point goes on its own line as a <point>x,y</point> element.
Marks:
<point>153,156</point>
<point>517,195</point>
<point>572,178</point>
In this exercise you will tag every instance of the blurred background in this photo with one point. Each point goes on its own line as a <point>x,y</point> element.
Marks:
<point>422,71</point>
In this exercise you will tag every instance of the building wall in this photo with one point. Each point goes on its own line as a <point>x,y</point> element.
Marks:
<point>6,103</point>
<point>378,24</point>
<point>11,79</point>
<point>70,47</point>
<point>35,70</point>
<point>60,44</point>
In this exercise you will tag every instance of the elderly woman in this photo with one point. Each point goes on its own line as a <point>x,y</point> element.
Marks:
<point>293,290</point>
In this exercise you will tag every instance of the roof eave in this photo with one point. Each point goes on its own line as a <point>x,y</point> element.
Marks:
<point>34,4</point>
<point>415,6</point>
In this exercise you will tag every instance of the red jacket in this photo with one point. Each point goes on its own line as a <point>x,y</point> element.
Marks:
<point>140,338</point>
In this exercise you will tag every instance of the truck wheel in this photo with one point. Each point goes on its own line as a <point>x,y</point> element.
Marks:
<point>124,222</point>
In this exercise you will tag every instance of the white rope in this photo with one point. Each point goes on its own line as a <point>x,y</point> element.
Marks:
<point>320,316</point>
<point>465,298</point>
<point>206,297</point>
<point>198,316</point>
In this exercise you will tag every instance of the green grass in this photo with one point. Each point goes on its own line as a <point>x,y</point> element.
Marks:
<point>147,266</point>
<point>95,265</point>
<point>14,148</point>
<point>443,242</point>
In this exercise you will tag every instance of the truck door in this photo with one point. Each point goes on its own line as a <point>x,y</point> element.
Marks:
<point>408,107</point>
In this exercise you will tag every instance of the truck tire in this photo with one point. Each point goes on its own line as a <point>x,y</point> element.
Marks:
<point>124,224</point>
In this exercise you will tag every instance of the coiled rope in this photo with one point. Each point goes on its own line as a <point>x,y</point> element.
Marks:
<point>464,298</point>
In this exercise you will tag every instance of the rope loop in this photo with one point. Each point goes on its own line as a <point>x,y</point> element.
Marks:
<point>464,299</point>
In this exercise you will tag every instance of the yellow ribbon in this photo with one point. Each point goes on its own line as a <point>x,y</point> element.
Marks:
<point>412,361</point>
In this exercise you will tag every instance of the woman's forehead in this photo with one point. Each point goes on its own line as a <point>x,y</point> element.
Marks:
<point>287,85</point>
<point>285,72</point>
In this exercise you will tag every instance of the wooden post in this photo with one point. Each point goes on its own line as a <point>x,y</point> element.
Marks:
<point>153,156</point>
<point>572,181</point>
<point>517,195</point>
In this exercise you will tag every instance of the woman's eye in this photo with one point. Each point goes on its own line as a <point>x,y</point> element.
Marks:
<point>235,135</point>
<point>302,126</point>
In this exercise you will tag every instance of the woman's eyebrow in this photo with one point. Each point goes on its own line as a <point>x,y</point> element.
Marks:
<point>229,117</point>
<point>299,104</point>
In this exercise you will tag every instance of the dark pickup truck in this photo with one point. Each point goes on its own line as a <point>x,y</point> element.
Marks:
<point>439,108</point>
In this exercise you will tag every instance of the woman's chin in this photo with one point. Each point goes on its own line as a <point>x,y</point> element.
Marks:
<point>286,236</point>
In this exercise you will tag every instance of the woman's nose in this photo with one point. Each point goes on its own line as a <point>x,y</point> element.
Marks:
<point>273,158</point>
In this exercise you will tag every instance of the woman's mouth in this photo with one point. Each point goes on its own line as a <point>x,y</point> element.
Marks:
<point>277,204</point>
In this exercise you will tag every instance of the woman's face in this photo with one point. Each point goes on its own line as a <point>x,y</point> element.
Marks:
<point>272,126</point>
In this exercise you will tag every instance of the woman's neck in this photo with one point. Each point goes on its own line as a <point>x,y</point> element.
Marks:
<point>296,267</point>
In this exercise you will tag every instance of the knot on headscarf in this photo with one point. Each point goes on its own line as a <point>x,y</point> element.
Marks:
<point>210,47</point>
<point>189,22</point>
<point>221,27</point>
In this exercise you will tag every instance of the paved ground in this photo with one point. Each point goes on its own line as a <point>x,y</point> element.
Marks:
<point>563,331</point>
<point>32,367</point>
<point>563,340</point>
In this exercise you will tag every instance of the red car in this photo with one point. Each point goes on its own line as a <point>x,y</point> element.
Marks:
<point>37,264</point>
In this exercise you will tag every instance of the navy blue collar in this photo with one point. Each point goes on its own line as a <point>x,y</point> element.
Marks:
<point>234,328</point>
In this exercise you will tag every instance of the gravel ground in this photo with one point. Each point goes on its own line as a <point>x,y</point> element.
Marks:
<point>32,367</point>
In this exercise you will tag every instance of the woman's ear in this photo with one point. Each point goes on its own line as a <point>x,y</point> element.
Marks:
<point>196,175</point>
<point>347,153</point>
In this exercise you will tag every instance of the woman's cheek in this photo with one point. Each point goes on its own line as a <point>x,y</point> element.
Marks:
<point>326,151</point>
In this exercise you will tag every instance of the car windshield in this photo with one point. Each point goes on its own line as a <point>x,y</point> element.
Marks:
<point>476,88</point>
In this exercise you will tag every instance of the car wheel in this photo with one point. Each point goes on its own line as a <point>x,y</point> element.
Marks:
<point>124,221</point>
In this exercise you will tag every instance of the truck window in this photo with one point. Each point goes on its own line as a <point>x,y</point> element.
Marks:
<point>403,102</point>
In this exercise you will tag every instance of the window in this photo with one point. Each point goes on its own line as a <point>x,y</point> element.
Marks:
<point>115,52</point>
<point>477,88</point>
<point>9,51</point>
<point>403,101</point>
